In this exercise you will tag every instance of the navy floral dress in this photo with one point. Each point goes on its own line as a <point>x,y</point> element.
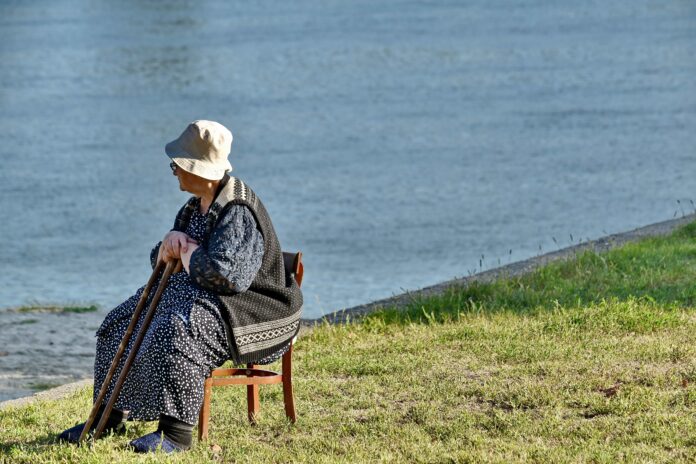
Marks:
<point>186,338</point>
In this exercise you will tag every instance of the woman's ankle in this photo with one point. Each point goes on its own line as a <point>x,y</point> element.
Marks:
<point>178,432</point>
<point>117,419</point>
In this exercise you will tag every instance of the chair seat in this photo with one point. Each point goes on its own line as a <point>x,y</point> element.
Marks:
<point>252,376</point>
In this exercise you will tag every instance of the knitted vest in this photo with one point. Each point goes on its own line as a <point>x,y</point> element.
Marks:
<point>265,317</point>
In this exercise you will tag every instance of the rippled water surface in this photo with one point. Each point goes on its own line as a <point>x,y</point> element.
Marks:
<point>395,143</point>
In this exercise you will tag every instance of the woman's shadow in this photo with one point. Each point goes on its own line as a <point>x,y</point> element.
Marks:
<point>38,444</point>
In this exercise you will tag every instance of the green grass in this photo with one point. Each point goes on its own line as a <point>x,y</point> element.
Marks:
<point>658,269</point>
<point>40,386</point>
<point>80,309</point>
<point>57,309</point>
<point>590,360</point>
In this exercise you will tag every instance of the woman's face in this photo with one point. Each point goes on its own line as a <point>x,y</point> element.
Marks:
<point>190,182</point>
<point>185,178</point>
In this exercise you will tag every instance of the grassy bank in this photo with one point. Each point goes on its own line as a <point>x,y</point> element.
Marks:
<point>590,360</point>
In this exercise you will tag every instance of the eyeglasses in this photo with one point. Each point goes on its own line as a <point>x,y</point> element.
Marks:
<point>173,166</point>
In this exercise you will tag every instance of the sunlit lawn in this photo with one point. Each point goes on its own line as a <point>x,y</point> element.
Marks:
<point>591,360</point>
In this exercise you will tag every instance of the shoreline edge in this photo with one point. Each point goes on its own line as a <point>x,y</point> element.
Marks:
<point>510,270</point>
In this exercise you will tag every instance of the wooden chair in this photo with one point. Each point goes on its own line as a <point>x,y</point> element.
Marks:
<point>253,376</point>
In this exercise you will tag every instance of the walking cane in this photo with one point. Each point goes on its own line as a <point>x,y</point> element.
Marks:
<point>168,270</point>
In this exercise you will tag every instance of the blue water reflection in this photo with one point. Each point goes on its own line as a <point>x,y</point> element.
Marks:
<point>395,142</point>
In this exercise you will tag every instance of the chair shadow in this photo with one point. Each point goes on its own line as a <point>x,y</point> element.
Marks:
<point>50,439</point>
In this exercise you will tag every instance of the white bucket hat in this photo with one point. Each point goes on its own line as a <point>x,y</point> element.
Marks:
<point>202,149</point>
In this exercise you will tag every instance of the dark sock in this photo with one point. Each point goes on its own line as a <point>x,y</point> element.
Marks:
<point>115,422</point>
<point>116,418</point>
<point>178,432</point>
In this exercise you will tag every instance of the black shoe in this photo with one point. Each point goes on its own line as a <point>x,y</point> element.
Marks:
<point>116,424</point>
<point>154,441</point>
<point>72,435</point>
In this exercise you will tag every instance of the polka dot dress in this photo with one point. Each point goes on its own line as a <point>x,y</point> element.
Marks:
<point>185,341</point>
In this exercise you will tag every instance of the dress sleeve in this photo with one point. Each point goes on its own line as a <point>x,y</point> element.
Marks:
<point>233,255</point>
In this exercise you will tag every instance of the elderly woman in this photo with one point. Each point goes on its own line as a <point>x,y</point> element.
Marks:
<point>232,300</point>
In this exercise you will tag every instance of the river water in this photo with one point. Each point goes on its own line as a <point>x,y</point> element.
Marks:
<point>396,143</point>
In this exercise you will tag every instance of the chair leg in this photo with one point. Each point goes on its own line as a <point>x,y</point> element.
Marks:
<point>205,410</point>
<point>288,398</point>
<point>253,404</point>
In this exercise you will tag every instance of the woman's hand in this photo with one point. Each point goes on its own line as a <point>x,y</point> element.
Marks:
<point>186,255</point>
<point>173,245</point>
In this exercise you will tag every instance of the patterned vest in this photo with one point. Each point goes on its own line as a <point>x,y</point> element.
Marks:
<point>265,317</point>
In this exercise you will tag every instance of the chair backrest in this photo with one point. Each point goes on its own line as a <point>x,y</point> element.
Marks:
<point>294,266</point>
